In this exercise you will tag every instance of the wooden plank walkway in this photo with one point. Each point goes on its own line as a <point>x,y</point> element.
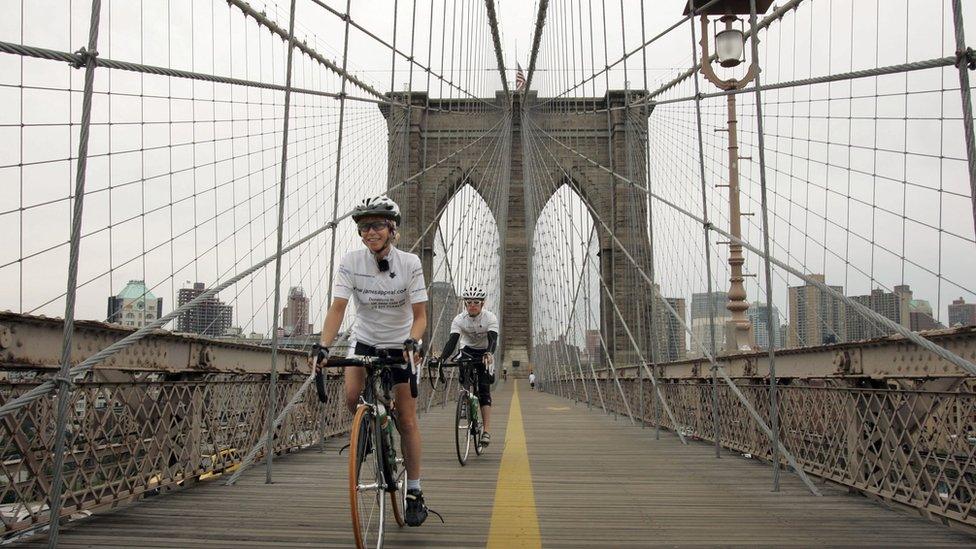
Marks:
<point>596,482</point>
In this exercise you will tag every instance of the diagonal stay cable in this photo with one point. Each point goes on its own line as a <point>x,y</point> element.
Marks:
<point>914,337</point>
<point>540,23</point>
<point>250,457</point>
<point>48,386</point>
<point>624,323</point>
<point>624,58</point>
<point>412,59</point>
<point>496,39</point>
<point>77,58</point>
<point>776,15</point>
<point>705,352</point>
<point>281,33</point>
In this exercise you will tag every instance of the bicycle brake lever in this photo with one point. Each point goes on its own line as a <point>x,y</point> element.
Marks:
<point>320,387</point>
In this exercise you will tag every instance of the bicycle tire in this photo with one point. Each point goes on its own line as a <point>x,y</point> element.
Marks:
<point>396,477</point>
<point>462,429</point>
<point>476,431</point>
<point>367,499</point>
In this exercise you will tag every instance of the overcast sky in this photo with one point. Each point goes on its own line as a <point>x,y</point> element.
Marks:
<point>205,146</point>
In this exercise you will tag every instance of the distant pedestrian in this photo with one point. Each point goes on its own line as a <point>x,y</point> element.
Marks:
<point>532,381</point>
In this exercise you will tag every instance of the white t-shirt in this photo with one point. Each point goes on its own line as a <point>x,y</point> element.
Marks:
<point>474,329</point>
<point>383,299</point>
<point>531,378</point>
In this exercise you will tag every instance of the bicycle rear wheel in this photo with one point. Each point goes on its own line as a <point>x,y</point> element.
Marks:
<point>367,497</point>
<point>462,428</point>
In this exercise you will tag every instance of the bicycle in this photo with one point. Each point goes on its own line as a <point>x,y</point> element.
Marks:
<point>468,426</point>
<point>373,432</point>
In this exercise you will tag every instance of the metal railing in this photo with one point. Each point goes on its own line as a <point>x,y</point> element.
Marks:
<point>910,448</point>
<point>128,440</point>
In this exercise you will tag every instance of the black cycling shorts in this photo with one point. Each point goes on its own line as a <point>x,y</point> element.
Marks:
<point>483,384</point>
<point>398,375</point>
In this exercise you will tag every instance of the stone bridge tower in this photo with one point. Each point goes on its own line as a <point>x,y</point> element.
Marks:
<point>445,139</point>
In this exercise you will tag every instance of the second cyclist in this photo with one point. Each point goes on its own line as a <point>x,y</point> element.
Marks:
<point>477,330</point>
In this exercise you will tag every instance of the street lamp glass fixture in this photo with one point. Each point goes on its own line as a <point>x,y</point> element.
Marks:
<point>730,43</point>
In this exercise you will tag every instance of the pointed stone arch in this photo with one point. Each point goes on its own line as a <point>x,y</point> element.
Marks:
<point>454,125</point>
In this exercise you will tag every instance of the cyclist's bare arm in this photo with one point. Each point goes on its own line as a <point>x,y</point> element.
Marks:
<point>418,327</point>
<point>333,320</point>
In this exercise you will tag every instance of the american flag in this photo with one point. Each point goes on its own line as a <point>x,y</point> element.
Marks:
<point>519,78</point>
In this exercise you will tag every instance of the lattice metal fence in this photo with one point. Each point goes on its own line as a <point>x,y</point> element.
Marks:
<point>129,440</point>
<point>914,448</point>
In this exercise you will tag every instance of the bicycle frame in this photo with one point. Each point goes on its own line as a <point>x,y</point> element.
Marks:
<point>373,416</point>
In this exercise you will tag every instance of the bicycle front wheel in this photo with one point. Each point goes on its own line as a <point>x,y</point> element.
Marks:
<point>477,428</point>
<point>462,428</point>
<point>367,494</point>
<point>396,474</point>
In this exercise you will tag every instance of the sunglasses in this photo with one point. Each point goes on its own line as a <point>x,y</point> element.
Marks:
<point>374,225</point>
<point>473,302</point>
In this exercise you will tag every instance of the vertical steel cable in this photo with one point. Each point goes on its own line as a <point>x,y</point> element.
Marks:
<point>335,194</point>
<point>773,402</point>
<point>965,56</point>
<point>338,170</point>
<point>63,380</point>
<point>650,235</point>
<point>273,385</point>
<point>708,246</point>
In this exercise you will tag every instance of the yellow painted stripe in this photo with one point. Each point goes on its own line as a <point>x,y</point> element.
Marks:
<point>513,518</point>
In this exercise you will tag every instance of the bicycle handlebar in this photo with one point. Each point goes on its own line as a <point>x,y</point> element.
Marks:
<point>366,361</point>
<point>461,362</point>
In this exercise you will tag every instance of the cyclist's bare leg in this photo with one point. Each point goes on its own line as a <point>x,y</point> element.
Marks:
<point>355,380</point>
<point>486,417</point>
<point>406,407</point>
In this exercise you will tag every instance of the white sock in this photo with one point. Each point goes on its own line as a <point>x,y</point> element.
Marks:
<point>413,484</point>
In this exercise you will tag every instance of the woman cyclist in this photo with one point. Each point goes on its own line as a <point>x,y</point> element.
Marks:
<point>388,288</point>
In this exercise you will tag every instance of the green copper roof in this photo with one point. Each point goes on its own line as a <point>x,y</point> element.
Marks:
<point>135,289</point>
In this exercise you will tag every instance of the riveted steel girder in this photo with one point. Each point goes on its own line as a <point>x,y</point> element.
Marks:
<point>34,342</point>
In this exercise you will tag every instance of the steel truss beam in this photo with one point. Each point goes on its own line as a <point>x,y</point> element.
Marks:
<point>33,342</point>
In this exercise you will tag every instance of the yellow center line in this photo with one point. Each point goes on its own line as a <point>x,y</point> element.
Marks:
<point>513,518</point>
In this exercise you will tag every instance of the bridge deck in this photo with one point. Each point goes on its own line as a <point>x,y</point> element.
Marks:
<point>596,482</point>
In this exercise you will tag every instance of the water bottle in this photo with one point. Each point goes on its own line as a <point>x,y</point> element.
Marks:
<point>383,416</point>
<point>475,407</point>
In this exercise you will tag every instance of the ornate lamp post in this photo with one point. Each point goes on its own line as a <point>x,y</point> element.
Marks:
<point>729,52</point>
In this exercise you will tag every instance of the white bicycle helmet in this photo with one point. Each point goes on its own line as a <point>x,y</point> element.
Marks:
<point>474,292</point>
<point>380,206</point>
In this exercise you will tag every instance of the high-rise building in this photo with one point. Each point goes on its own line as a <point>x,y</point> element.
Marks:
<point>594,349</point>
<point>701,321</point>
<point>443,309</point>
<point>135,306</point>
<point>669,332</point>
<point>894,306</point>
<point>784,331</point>
<point>816,318</point>
<point>962,313</point>
<point>757,315</point>
<point>294,317</point>
<point>211,317</point>
<point>558,352</point>
<point>921,317</point>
